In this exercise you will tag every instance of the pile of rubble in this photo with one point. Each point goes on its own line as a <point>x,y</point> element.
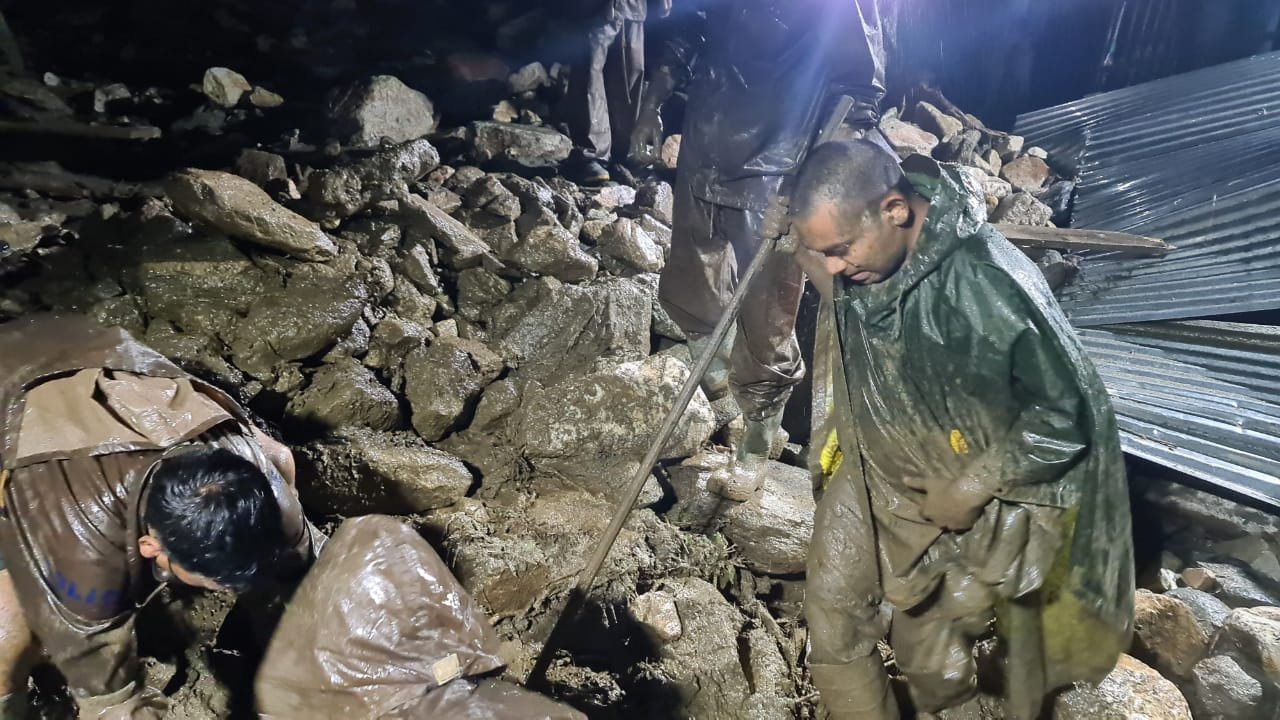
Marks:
<point>445,329</point>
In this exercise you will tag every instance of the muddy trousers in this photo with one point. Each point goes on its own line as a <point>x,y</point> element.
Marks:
<point>605,86</point>
<point>711,245</point>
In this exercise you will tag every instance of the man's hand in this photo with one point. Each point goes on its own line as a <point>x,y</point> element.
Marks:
<point>955,505</point>
<point>664,8</point>
<point>646,139</point>
<point>776,224</point>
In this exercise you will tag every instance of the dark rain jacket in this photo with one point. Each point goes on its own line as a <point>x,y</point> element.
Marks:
<point>961,364</point>
<point>381,629</point>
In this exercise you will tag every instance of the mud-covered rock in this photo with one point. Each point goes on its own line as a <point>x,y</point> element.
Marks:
<point>415,265</point>
<point>496,404</point>
<point>772,529</point>
<point>224,86</point>
<point>443,381</point>
<point>1167,635</point>
<point>264,169</point>
<point>201,283</point>
<point>464,248</point>
<point>656,612</point>
<point>1132,690</point>
<point>718,670</point>
<point>366,112</point>
<point>490,195</point>
<point>393,339</point>
<point>479,290</point>
<point>546,247</point>
<point>522,144</point>
<point>1252,638</point>
<point>1022,208</point>
<point>1027,173</point>
<point>586,423</point>
<point>631,247</point>
<point>345,190</point>
<point>295,324</point>
<point>345,393</point>
<point>1221,690</point>
<point>1210,612</point>
<point>359,471</point>
<point>243,210</point>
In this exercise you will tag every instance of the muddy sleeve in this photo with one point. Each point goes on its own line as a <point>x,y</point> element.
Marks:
<point>998,328</point>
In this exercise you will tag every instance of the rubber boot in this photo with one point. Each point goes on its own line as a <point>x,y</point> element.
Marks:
<point>15,706</point>
<point>745,475</point>
<point>715,383</point>
<point>855,691</point>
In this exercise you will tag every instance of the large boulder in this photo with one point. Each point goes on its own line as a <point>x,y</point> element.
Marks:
<point>358,472</point>
<point>346,190</point>
<point>224,86</point>
<point>1238,587</point>
<point>586,424</point>
<point>1252,638</point>
<point>522,144</point>
<point>465,248</point>
<point>937,122</point>
<point>1027,173</point>
<point>630,247</point>
<point>295,323</point>
<point>1210,612</point>
<point>546,247</point>
<point>1167,635</point>
<point>443,381</point>
<point>479,290</point>
<point>772,529</point>
<point>381,107</point>
<point>907,139</point>
<point>1222,690</point>
<point>243,210</point>
<point>1022,208</point>
<point>1132,690</point>
<point>343,394</point>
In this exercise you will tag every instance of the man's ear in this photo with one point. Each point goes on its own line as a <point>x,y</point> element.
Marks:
<point>895,208</point>
<point>149,546</point>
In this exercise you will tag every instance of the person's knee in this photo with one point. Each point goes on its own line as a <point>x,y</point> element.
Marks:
<point>15,638</point>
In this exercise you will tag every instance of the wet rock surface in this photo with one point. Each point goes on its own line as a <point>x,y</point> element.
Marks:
<point>382,107</point>
<point>1131,690</point>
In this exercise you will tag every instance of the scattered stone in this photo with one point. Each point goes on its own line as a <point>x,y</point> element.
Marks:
<point>465,249</point>
<point>936,122</point>
<point>224,87</point>
<point>1028,173</point>
<point>442,382</point>
<point>1238,588</point>
<point>416,265</point>
<point>241,209</point>
<point>344,394</point>
<point>496,404</point>
<point>656,612</point>
<point>771,530</point>
<point>1167,635</point>
<point>529,78</point>
<point>1058,270</point>
<point>203,284</point>
<point>392,339</point>
<point>409,302</point>
<point>295,324</point>
<point>1007,145</point>
<point>490,195</point>
<point>670,152</point>
<point>337,194</point>
<point>479,290</point>
<point>264,98</point>
<point>447,200</point>
<point>449,329</point>
<point>1022,208</point>
<point>105,96</point>
<point>1251,637</point>
<point>366,112</point>
<point>505,112</point>
<point>264,169</point>
<point>1210,612</point>
<point>1254,552</point>
<point>585,423</point>
<point>1131,691</point>
<point>525,145</point>
<point>1221,690</point>
<point>1200,579</point>
<point>547,248</point>
<point>358,472</point>
<point>907,139</point>
<point>660,233</point>
<point>993,163</point>
<point>658,197</point>
<point>1038,152</point>
<point>611,197</point>
<point>626,242</point>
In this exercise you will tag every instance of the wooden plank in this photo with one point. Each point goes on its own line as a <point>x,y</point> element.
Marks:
<point>1048,238</point>
<point>79,129</point>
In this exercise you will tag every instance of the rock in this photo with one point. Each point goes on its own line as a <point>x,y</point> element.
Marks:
<point>660,233</point>
<point>1007,145</point>
<point>490,195</point>
<point>447,200</point>
<point>1167,635</point>
<point>350,188</point>
<point>224,87</point>
<point>936,122</point>
<point>366,112</point>
<point>1131,691</point>
<point>670,152</point>
<point>264,169</point>
<point>295,324</point>
<point>587,422</point>
<point>960,148</point>
<point>1254,552</point>
<point>103,97</point>
<point>656,612</point>
<point>505,112</point>
<point>1238,588</point>
<point>409,302</point>
<point>907,139</point>
<point>496,404</point>
<point>630,245</point>
<point>1251,637</point>
<point>1186,506</point>
<point>465,249</point>
<point>479,290</point>
<point>345,393</point>
<point>359,472</point>
<point>264,98</point>
<point>714,675</point>
<point>241,209</point>
<point>1021,208</point>
<point>547,248</point>
<point>442,382</point>
<point>393,339</point>
<point>992,162</point>
<point>529,78</point>
<point>1038,152</point>
<point>1210,612</point>
<point>20,237</point>
<point>594,230</point>
<point>416,265</point>
<point>1221,690</point>
<point>771,530</point>
<point>548,330</point>
<point>1200,579</point>
<point>1027,173</point>
<point>464,177</point>
<point>522,144</point>
<point>611,197</point>
<point>658,197</point>
<point>1058,198</point>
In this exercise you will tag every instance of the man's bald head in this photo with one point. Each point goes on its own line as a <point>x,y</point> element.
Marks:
<point>852,176</point>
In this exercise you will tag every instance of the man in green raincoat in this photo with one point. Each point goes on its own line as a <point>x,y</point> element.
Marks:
<point>974,471</point>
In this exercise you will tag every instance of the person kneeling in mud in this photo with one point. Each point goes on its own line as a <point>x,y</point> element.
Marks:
<point>380,629</point>
<point>118,472</point>
<point>973,472</point>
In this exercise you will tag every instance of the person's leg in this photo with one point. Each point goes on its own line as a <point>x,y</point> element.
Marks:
<point>845,610</point>
<point>588,99</point>
<point>624,79</point>
<point>15,652</point>
<point>934,643</point>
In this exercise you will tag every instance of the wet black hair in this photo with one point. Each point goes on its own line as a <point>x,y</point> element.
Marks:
<point>854,176</point>
<point>214,514</point>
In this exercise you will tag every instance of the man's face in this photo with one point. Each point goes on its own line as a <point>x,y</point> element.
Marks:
<point>865,252</point>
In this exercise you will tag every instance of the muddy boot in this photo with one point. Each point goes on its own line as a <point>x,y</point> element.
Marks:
<point>855,691</point>
<point>15,706</point>
<point>715,383</point>
<point>744,476</point>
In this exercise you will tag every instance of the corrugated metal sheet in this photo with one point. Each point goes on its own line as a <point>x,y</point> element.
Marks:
<point>1201,398</point>
<point>1193,159</point>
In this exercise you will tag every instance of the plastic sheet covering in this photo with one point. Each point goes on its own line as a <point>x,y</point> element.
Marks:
<point>1194,160</point>
<point>1200,397</point>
